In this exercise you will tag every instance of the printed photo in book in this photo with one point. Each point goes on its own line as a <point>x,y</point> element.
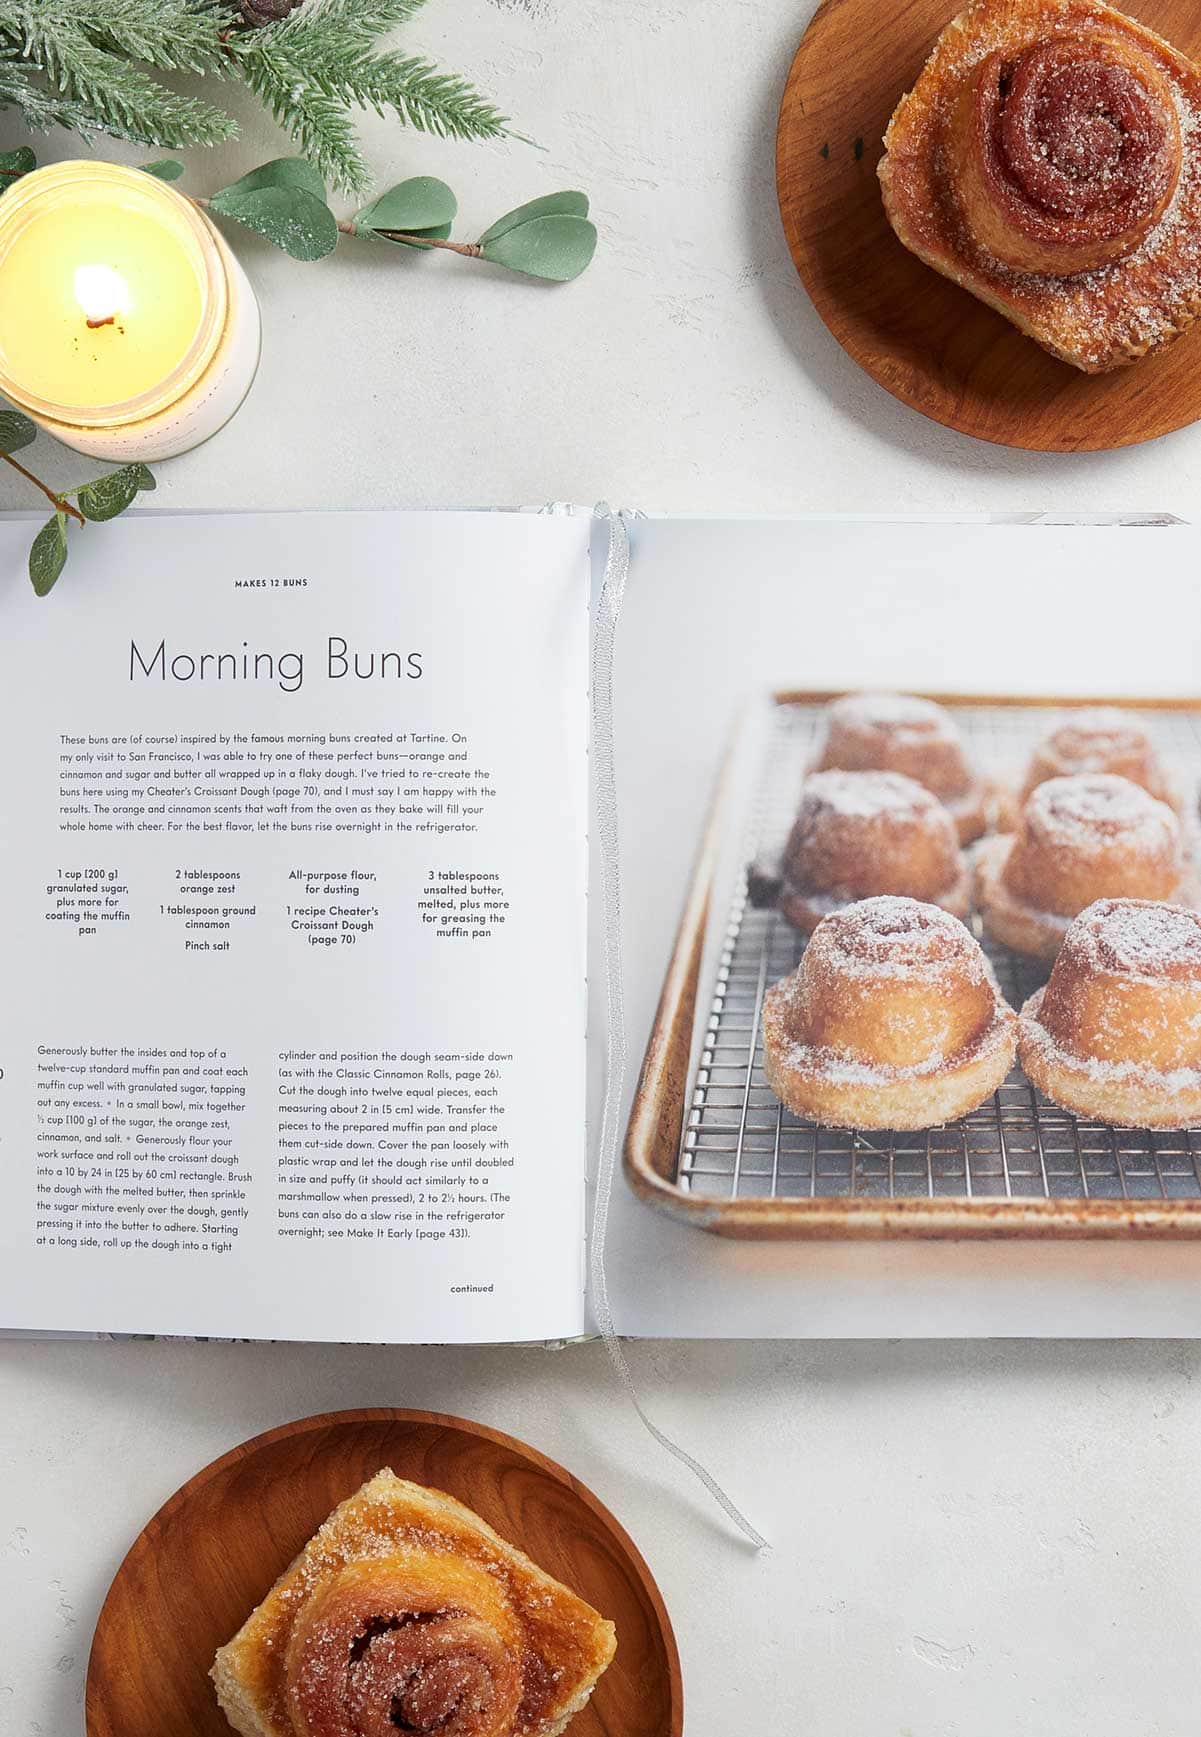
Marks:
<point>307,1035</point>
<point>913,957</point>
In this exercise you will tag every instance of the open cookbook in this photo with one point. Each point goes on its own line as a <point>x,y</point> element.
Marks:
<point>307,925</point>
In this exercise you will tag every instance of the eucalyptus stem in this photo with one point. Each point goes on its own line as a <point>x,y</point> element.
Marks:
<point>467,249</point>
<point>58,502</point>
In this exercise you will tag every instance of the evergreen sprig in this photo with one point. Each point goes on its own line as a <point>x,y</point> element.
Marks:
<point>82,64</point>
<point>315,65</point>
<point>88,52</point>
<point>41,109</point>
<point>92,66</point>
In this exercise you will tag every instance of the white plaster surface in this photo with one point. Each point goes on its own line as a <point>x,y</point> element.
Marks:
<point>988,1540</point>
<point>984,1540</point>
<point>685,372</point>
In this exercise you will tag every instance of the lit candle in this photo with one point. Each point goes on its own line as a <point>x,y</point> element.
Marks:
<point>127,327</point>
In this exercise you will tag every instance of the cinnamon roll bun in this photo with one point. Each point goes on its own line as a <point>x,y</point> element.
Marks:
<point>1063,157</point>
<point>1048,160</point>
<point>405,1612</point>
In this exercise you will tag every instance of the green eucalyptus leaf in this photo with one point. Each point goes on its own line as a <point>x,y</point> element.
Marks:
<point>165,169</point>
<point>558,247</point>
<point>421,206</point>
<point>289,217</point>
<point>16,430</point>
<point>282,172</point>
<point>48,554</point>
<point>111,494</point>
<point>550,205</point>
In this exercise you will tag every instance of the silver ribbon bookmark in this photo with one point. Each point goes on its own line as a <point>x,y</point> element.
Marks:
<point>604,642</point>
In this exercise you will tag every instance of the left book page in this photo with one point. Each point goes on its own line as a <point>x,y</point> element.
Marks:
<point>292,894</point>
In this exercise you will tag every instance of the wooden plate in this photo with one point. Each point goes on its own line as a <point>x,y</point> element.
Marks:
<point>926,341</point>
<point>207,1558</point>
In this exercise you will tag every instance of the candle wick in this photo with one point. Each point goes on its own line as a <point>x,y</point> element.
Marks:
<point>108,320</point>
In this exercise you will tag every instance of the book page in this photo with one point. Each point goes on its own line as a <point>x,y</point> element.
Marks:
<point>720,616</point>
<point>293,890</point>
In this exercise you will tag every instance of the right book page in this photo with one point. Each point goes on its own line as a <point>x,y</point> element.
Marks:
<point>723,620</point>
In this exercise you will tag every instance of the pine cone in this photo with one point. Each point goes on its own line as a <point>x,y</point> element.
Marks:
<point>256,12</point>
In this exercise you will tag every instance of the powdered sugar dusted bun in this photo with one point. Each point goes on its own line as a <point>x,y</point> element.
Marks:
<point>892,1019</point>
<point>1100,739</point>
<point>879,732</point>
<point>1116,1033</point>
<point>862,833</point>
<point>1081,838</point>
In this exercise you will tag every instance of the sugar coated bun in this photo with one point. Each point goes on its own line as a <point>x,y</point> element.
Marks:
<point>862,833</point>
<point>1079,839</point>
<point>1100,739</point>
<point>879,732</point>
<point>1116,1033</point>
<point>892,1019</point>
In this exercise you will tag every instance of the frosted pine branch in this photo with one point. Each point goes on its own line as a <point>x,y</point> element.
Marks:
<point>94,66</point>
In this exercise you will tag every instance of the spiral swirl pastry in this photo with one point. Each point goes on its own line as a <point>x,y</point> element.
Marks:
<point>1100,739</point>
<point>891,1020</point>
<point>1087,838</point>
<point>1063,157</point>
<point>882,732</point>
<point>1079,839</point>
<point>891,981</point>
<point>1116,1033</point>
<point>1141,938</point>
<point>862,833</point>
<point>414,1642</point>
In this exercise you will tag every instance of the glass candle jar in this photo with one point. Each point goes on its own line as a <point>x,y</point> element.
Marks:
<point>128,330</point>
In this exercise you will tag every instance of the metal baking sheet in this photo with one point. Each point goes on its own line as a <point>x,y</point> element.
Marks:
<point>708,1143</point>
<point>738,1141</point>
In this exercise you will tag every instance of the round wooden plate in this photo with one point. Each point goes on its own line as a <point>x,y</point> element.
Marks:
<point>206,1559</point>
<point>926,341</point>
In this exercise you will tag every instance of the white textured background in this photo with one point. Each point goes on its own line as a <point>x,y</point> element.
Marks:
<point>991,1540</point>
<point>685,372</point>
<point>994,1540</point>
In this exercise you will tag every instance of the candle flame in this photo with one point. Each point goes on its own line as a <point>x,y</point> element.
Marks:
<point>101,292</point>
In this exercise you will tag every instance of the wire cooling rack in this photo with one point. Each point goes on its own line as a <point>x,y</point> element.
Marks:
<point>738,1141</point>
